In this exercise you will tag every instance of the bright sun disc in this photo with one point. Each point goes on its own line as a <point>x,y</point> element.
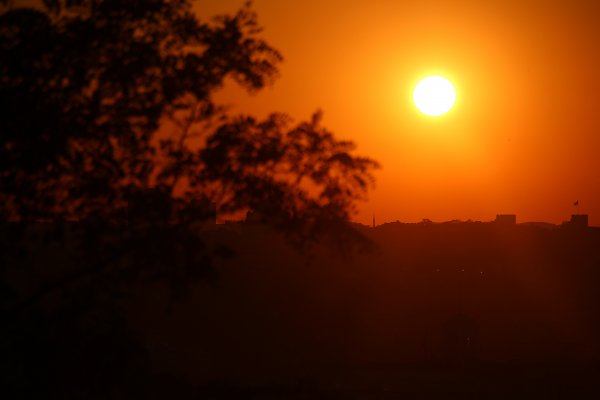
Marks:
<point>434,96</point>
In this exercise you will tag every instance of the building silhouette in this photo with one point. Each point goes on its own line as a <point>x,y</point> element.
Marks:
<point>578,221</point>
<point>506,219</point>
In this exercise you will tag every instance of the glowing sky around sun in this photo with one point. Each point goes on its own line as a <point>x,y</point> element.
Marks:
<point>524,133</point>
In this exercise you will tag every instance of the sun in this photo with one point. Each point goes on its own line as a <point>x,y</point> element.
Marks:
<point>434,95</point>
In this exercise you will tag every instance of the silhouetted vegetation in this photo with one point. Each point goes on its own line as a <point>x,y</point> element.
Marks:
<point>110,122</point>
<point>115,158</point>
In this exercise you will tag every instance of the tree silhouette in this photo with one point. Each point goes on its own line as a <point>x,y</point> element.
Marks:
<point>113,150</point>
<point>109,120</point>
<point>88,83</point>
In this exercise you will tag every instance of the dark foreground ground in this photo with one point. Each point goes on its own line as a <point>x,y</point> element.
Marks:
<point>477,381</point>
<point>456,310</point>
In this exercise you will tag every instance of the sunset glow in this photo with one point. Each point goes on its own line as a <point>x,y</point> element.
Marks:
<point>520,138</point>
<point>207,199</point>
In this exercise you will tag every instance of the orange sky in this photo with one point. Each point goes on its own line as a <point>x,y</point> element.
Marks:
<point>522,137</point>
